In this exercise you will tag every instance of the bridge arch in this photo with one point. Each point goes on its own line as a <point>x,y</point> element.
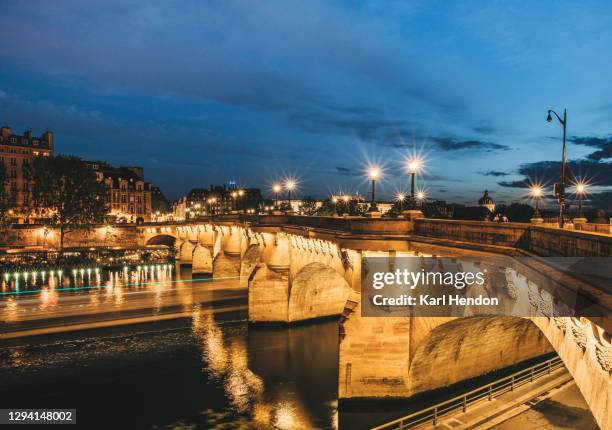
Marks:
<point>162,239</point>
<point>464,348</point>
<point>406,368</point>
<point>317,291</point>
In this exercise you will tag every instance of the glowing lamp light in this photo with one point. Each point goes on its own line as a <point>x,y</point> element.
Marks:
<point>420,195</point>
<point>536,191</point>
<point>374,173</point>
<point>290,185</point>
<point>414,165</point>
<point>277,188</point>
<point>580,188</point>
<point>401,196</point>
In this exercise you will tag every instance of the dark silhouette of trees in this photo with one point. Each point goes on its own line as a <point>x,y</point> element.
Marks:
<point>69,193</point>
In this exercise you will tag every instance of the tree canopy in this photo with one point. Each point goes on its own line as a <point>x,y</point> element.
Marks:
<point>69,192</point>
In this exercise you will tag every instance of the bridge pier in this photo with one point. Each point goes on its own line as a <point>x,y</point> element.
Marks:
<point>202,260</point>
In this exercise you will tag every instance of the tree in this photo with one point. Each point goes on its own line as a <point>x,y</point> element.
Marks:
<point>327,208</point>
<point>309,205</point>
<point>519,212</point>
<point>68,190</point>
<point>471,213</point>
<point>159,203</point>
<point>353,207</point>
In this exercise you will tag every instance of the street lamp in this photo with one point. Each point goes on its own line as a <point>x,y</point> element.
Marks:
<point>560,188</point>
<point>536,192</point>
<point>420,196</point>
<point>335,202</point>
<point>581,191</point>
<point>373,173</point>
<point>277,189</point>
<point>400,198</point>
<point>240,194</point>
<point>290,185</point>
<point>234,196</point>
<point>414,166</point>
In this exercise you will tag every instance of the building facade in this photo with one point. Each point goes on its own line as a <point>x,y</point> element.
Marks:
<point>216,200</point>
<point>129,196</point>
<point>16,155</point>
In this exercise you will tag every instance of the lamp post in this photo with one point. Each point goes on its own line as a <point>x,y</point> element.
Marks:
<point>277,189</point>
<point>335,202</point>
<point>413,167</point>
<point>536,192</point>
<point>560,188</point>
<point>234,196</point>
<point>241,194</point>
<point>374,174</point>
<point>421,198</point>
<point>290,186</point>
<point>400,198</point>
<point>581,191</point>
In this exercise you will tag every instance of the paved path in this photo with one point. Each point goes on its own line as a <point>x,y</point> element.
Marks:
<point>563,409</point>
<point>552,402</point>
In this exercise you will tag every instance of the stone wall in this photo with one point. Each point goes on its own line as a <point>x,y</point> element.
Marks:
<point>567,243</point>
<point>35,236</point>
<point>489,233</point>
<point>398,357</point>
<point>545,241</point>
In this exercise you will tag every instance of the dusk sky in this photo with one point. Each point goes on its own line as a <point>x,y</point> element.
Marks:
<point>200,93</point>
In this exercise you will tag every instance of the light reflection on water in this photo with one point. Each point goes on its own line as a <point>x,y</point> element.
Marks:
<point>24,292</point>
<point>223,372</point>
<point>81,278</point>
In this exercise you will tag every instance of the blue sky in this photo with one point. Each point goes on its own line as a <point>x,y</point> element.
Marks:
<point>203,92</point>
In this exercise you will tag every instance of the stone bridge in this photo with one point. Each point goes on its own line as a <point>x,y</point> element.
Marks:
<point>304,272</point>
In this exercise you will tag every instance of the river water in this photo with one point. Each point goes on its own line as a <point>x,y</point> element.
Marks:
<point>209,372</point>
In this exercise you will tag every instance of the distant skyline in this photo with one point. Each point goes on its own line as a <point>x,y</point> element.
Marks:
<point>215,91</point>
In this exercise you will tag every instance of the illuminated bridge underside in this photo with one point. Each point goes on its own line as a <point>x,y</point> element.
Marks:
<point>298,274</point>
<point>401,357</point>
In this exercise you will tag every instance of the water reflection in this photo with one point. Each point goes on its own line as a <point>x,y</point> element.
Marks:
<point>49,293</point>
<point>215,371</point>
<point>275,375</point>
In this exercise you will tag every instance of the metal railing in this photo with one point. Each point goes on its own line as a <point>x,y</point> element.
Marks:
<point>490,391</point>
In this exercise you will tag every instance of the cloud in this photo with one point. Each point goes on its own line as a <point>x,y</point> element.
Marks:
<point>601,200</point>
<point>450,144</point>
<point>495,173</point>
<point>603,144</point>
<point>346,171</point>
<point>547,172</point>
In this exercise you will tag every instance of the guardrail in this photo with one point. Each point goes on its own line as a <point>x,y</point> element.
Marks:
<point>490,391</point>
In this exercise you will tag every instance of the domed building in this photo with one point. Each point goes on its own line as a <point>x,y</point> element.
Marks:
<point>487,202</point>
